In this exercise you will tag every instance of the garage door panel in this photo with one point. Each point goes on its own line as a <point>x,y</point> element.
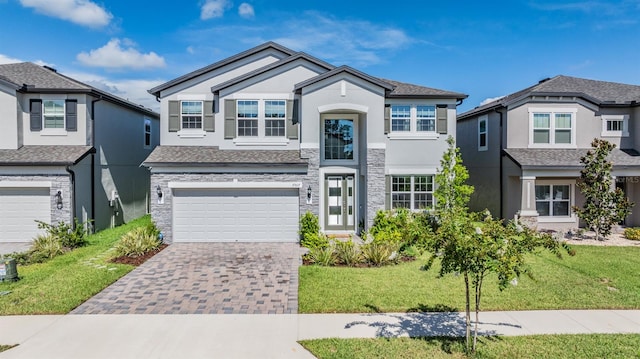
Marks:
<point>235,215</point>
<point>20,209</point>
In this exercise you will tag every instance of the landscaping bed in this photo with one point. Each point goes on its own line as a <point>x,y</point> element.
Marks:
<point>138,260</point>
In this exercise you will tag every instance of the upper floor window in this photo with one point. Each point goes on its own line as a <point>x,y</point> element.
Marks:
<point>400,118</point>
<point>552,127</point>
<point>406,118</point>
<point>53,113</point>
<point>483,129</point>
<point>615,125</point>
<point>339,142</point>
<point>147,133</point>
<point>412,192</point>
<point>191,114</point>
<point>247,118</point>
<point>426,118</point>
<point>274,113</point>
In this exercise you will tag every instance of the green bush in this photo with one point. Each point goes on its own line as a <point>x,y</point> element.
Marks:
<point>137,242</point>
<point>70,236</point>
<point>632,233</point>
<point>44,247</point>
<point>309,225</point>
<point>322,256</point>
<point>413,228</point>
<point>315,240</point>
<point>379,254</point>
<point>347,253</point>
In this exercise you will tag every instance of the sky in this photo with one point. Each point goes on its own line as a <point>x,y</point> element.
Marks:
<point>483,49</point>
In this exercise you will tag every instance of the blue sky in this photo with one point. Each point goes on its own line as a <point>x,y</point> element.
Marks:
<point>483,49</point>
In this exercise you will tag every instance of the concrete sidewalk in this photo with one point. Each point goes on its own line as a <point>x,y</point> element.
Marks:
<point>270,336</point>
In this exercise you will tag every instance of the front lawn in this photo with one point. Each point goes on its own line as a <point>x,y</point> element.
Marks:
<point>595,278</point>
<point>63,283</point>
<point>537,346</point>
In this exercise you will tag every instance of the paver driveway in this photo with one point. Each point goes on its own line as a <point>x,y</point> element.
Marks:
<point>207,278</point>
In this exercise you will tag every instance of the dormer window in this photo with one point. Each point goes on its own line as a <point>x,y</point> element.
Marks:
<point>191,114</point>
<point>615,125</point>
<point>53,113</point>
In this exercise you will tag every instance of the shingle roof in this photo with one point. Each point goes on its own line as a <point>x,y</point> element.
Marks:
<point>44,155</point>
<point>27,73</point>
<point>402,89</point>
<point>599,92</point>
<point>206,155</point>
<point>29,77</point>
<point>538,158</point>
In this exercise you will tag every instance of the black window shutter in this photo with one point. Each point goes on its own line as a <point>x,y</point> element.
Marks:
<point>71,115</point>
<point>292,124</point>
<point>35,115</point>
<point>174,116</point>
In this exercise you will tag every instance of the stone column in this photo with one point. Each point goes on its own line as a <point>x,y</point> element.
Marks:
<point>528,215</point>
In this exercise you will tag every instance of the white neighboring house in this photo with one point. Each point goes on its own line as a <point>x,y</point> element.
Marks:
<point>250,143</point>
<point>69,150</point>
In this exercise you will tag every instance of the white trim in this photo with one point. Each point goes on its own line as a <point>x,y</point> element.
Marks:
<point>25,184</point>
<point>257,141</point>
<point>572,198</point>
<point>343,106</point>
<point>625,125</point>
<point>406,135</point>
<point>261,96</point>
<point>412,171</point>
<point>310,146</point>
<point>233,184</point>
<point>528,177</point>
<point>53,131</point>
<point>192,97</point>
<point>376,146</point>
<point>552,111</point>
<point>484,119</point>
<point>191,133</point>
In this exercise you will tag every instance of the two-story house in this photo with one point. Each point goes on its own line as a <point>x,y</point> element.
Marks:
<point>523,151</point>
<point>69,150</point>
<point>251,142</point>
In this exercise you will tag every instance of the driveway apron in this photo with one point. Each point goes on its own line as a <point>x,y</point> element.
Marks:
<point>207,278</point>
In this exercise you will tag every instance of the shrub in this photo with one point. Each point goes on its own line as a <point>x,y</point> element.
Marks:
<point>309,224</point>
<point>347,253</point>
<point>410,228</point>
<point>378,254</point>
<point>632,233</point>
<point>44,247</point>
<point>322,256</point>
<point>137,242</point>
<point>315,240</point>
<point>69,236</point>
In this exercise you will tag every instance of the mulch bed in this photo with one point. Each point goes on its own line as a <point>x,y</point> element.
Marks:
<point>307,262</point>
<point>136,261</point>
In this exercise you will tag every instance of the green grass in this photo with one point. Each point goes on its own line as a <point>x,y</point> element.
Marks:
<point>63,283</point>
<point>595,278</point>
<point>537,346</point>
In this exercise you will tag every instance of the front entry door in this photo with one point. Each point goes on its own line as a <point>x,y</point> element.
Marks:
<point>339,202</point>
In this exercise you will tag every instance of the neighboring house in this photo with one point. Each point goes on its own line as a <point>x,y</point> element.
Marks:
<point>69,150</point>
<point>523,151</point>
<point>251,142</point>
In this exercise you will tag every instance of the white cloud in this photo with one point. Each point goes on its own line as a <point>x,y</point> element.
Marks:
<point>4,59</point>
<point>489,100</point>
<point>134,90</point>
<point>113,55</point>
<point>214,8</point>
<point>81,12</point>
<point>246,11</point>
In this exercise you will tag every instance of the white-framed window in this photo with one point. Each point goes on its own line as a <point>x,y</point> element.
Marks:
<point>554,199</point>
<point>274,118</point>
<point>247,118</point>
<point>483,133</point>
<point>414,192</point>
<point>147,133</point>
<point>53,114</point>
<point>615,125</point>
<point>552,127</point>
<point>191,115</point>
<point>413,119</point>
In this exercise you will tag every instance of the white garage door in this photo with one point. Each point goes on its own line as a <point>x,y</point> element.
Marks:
<point>247,215</point>
<point>19,208</point>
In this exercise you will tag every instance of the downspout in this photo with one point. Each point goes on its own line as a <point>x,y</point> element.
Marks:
<point>93,161</point>
<point>72,199</point>
<point>501,169</point>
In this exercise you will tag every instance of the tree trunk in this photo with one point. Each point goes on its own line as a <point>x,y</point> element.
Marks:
<point>467,312</point>
<point>478,296</point>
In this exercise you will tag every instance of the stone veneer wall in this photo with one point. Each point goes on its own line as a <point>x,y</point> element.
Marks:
<point>161,214</point>
<point>58,183</point>
<point>311,179</point>
<point>375,183</point>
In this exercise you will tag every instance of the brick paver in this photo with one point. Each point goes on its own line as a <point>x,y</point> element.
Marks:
<point>207,278</point>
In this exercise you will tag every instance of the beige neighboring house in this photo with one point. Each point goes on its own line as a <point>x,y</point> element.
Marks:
<point>523,151</point>
<point>69,150</point>
<point>250,143</point>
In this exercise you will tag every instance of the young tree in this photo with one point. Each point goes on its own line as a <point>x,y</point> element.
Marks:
<point>604,206</point>
<point>475,244</point>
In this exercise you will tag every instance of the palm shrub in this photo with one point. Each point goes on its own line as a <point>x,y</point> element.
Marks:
<point>322,256</point>
<point>137,242</point>
<point>347,252</point>
<point>632,233</point>
<point>44,247</point>
<point>70,236</point>
<point>380,253</point>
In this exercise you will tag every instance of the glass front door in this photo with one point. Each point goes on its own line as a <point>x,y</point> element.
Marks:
<point>339,202</point>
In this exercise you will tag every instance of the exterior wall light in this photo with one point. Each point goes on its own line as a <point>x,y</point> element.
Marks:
<point>58,199</point>
<point>309,194</point>
<point>160,194</point>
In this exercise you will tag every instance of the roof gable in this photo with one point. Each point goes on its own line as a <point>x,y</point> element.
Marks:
<point>341,70</point>
<point>285,52</point>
